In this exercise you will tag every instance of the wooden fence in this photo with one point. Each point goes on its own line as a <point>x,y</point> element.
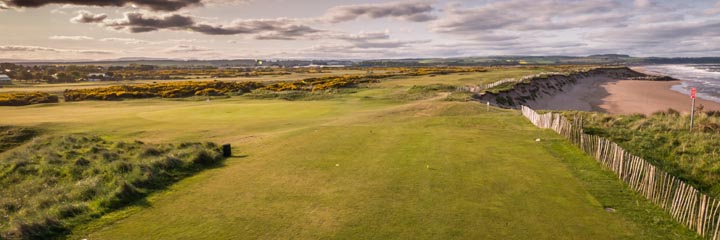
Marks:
<point>686,204</point>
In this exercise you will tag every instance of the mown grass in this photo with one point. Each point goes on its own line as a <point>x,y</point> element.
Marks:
<point>615,196</point>
<point>385,162</point>
<point>665,139</point>
<point>53,184</point>
<point>430,170</point>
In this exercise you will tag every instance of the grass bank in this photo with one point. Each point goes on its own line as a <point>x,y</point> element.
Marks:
<point>51,185</point>
<point>665,139</point>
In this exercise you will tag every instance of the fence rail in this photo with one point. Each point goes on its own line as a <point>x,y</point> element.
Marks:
<point>687,205</point>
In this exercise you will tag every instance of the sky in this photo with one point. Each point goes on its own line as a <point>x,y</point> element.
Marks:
<point>344,29</point>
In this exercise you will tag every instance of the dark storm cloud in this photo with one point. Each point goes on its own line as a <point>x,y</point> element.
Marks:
<point>156,5</point>
<point>272,28</point>
<point>137,22</point>
<point>279,29</point>
<point>414,11</point>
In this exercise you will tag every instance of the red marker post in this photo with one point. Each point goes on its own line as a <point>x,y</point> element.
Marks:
<point>693,93</point>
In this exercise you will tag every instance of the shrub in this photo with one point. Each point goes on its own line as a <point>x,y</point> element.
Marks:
<point>164,90</point>
<point>26,98</point>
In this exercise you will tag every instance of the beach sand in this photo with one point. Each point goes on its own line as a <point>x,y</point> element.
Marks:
<point>623,97</point>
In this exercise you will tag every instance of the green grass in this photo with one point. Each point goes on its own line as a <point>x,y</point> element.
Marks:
<point>11,137</point>
<point>612,193</point>
<point>52,184</point>
<point>381,163</point>
<point>665,140</point>
<point>427,170</point>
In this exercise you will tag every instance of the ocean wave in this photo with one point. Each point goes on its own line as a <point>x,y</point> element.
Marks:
<point>704,77</point>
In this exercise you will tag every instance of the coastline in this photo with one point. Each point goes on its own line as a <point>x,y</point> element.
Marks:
<point>621,96</point>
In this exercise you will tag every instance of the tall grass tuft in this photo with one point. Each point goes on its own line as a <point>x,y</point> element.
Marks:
<point>53,183</point>
<point>664,138</point>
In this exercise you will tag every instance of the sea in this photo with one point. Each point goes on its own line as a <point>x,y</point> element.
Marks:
<point>704,77</point>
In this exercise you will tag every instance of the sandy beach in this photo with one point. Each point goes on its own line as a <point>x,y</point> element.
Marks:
<point>623,97</point>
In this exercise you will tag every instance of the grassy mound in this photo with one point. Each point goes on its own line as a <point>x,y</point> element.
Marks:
<point>58,182</point>
<point>664,138</point>
<point>26,98</point>
<point>11,137</point>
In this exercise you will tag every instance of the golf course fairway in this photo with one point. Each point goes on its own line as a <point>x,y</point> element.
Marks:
<point>361,168</point>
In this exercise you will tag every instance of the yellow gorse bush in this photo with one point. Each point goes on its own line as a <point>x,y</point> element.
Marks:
<point>26,98</point>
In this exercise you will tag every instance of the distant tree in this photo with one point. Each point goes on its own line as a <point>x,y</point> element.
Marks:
<point>25,75</point>
<point>76,75</point>
<point>64,77</point>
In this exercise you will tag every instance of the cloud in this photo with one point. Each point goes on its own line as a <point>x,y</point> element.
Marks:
<point>529,15</point>
<point>659,33</point>
<point>414,11</point>
<point>363,36</point>
<point>22,48</point>
<point>186,49</point>
<point>387,44</point>
<point>278,29</point>
<point>73,38</point>
<point>125,40</point>
<point>714,10</point>
<point>99,52</point>
<point>643,3</point>
<point>495,37</point>
<point>88,17</point>
<point>155,5</point>
<point>136,22</point>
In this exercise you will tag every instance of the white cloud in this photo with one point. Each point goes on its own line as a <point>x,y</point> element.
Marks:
<point>23,48</point>
<point>187,49</point>
<point>125,40</point>
<point>714,10</point>
<point>88,17</point>
<point>643,3</point>
<point>528,15</point>
<point>72,38</point>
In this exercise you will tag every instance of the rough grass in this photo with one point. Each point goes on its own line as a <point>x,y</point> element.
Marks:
<point>54,183</point>
<point>11,137</point>
<point>664,138</point>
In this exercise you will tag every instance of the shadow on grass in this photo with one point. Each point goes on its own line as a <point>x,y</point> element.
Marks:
<point>143,202</point>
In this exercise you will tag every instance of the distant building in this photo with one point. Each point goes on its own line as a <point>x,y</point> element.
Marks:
<point>94,77</point>
<point>4,79</point>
